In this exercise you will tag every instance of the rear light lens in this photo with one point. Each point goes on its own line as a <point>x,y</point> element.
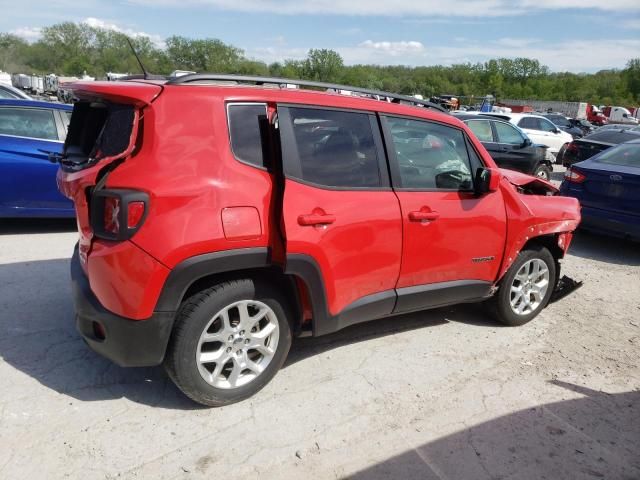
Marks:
<point>572,148</point>
<point>117,214</point>
<point>111,223</point>
<point>135,212</point>
<point>574,176</point>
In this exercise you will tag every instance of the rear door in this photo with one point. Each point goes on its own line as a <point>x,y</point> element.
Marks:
<point>482,129</point>
<point>515,153</point>
<point>340,214</point>
<point>27,178</point>
<point>453,239</point>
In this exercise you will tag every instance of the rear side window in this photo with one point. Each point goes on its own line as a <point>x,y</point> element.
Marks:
<point>529,122</point>
<point>627,155</point>
<point>28,122</point>
<point>482,129</point>
<point>248,132</point>
<point>430,156</point>
<point>508,134</point>
<point>332,148</point>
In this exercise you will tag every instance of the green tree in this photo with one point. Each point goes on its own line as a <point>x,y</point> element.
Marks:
<point>631,76</point>
<point>323,65</point>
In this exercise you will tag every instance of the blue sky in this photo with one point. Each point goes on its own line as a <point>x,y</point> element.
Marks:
<point>566,35</point>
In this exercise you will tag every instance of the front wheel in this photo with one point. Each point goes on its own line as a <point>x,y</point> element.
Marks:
<point>229,341</point>
<point>543,171</point>
<point>526,287</point>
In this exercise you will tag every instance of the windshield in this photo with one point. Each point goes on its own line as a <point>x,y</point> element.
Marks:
<point>627,155</point>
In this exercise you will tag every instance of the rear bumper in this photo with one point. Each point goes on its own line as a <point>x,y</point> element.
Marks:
<point>128,343</point>
<point>612,223</point>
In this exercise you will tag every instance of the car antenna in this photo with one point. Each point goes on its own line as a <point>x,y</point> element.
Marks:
<point>144,71</point>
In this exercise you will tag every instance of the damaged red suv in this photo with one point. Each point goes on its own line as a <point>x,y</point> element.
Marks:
<point>221,216</point>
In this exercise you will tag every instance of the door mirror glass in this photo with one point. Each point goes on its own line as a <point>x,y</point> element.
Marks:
<point>487,180</point>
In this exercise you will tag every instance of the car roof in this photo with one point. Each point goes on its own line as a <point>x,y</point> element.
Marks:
<point>34,103</point>
<point>517,116</point>
<point>487,116</point>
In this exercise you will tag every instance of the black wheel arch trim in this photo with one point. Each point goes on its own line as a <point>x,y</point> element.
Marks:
<point>189,271</point>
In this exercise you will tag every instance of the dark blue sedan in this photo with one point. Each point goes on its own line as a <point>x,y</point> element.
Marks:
<point>608,188</point>
<point>29,129</point>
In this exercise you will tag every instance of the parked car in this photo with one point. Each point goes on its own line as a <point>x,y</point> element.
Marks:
<point>540,130</point>
<point>509,146</point>
<point>11,92</point>
<point>29,129</point>
<point>586,126</point>
<point>600,140</point>
<point>564,124</point>
<point>233,218</point>
<point>608,188</point>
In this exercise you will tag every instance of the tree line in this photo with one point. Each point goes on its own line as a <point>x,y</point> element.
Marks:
<point>74,48</point>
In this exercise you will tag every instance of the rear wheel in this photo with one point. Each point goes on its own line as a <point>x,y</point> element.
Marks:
<point>543,171</point>
<point>229,341</point>
<point>526,287</point>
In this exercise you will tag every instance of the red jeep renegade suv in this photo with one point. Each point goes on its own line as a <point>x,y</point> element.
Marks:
<point>220,216</point>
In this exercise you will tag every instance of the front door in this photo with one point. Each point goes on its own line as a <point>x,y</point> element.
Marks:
<point>340,214</point>
<point>453,240</point>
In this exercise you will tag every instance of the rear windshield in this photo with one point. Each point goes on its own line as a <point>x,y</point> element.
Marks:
<point>98,130</point>
<point>612,136</point>
<point>627,155</point>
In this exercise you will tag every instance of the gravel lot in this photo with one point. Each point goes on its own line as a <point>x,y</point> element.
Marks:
<point>445,394</point>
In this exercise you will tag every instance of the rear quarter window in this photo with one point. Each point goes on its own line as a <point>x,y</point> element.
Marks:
<point>248,132</point>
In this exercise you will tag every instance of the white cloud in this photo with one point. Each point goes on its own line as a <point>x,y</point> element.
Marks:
<point>397,8</point>
<point>394,48</point>
<point>30,34</point>
<point>105,25</point>
<point>558,56</point>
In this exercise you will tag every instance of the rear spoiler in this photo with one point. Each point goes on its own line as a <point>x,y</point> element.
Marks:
<point>139,94</point>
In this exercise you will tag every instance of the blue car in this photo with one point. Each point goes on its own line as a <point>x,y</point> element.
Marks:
<point>607,186</point>
<point>29,129</point>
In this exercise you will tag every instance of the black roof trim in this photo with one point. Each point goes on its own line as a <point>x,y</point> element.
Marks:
<point>396,98</point>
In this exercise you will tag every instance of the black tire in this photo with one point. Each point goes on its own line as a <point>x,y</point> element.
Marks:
<point>543,171</point>
<point>500,304</point>
<point>192,318</point>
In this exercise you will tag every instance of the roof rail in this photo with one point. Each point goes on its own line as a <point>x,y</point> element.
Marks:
<point>393,97</point>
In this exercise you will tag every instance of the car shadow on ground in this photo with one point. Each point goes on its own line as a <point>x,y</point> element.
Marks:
<point>557,176</point>
<point>594,436</point>
<point>38,338</point>
<point>603,248</point>
<point>17,226</point>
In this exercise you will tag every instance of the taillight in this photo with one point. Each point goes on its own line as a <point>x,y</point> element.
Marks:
<point>574,176</point>
<point>116,214</point>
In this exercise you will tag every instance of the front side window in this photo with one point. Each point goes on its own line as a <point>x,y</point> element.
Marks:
<point>334,148</point>
<point>546,125</point>
<point>28,122</point>
<point>508,134</point>
<point>248,132</point>
<point>482,129</point>
<point>430,155</point>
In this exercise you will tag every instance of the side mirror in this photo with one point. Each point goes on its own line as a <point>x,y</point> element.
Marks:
<point>487,180</point>
<point>526,142</point>
<point>556,130</point>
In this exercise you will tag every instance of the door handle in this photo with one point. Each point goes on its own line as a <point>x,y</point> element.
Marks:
<point>420,216</point>
<point>316,219</point>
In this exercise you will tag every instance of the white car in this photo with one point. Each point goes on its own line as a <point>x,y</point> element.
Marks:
<point>540,130</point>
